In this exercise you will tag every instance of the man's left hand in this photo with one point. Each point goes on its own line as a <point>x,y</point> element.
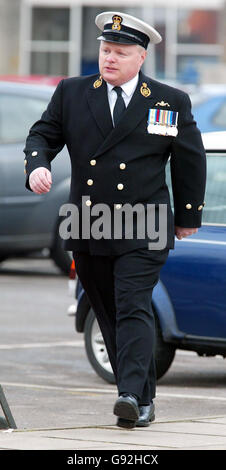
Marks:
<point>182,232</point>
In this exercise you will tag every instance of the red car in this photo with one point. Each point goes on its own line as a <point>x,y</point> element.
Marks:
<point>32,79</point>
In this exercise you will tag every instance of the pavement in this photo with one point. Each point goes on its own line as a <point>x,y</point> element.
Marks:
<point>182,434</point>
<point>58,401</point>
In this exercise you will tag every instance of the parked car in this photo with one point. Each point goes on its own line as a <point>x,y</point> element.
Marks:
<point>32,79</point>
<point>189,301</point>
<point>209,107</point>
<point>29,221</point>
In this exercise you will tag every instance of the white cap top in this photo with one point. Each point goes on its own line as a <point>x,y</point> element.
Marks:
<point>126,29</point>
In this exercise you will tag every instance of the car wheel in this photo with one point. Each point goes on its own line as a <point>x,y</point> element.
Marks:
<point>164,352</point>
<point>98,356</point>
<point>61,257</point>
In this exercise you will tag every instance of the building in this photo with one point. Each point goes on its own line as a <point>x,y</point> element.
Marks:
<point>57,37</point>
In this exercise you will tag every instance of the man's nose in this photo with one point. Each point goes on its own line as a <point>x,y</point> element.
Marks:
<point>111,58</point>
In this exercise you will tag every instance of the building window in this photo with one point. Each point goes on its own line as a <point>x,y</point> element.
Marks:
<point>50,24</point>
<point>198,26</point>
<point>50,42</point>
<point>197,42</point>
<point>49,63</point>
<point>90,45</point>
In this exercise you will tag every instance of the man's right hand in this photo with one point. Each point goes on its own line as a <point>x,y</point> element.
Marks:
<point>40,180</point>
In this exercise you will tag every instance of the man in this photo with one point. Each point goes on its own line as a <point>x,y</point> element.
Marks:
<point>120,128</point>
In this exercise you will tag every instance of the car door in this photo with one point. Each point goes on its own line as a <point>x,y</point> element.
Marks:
<point>195,273</point>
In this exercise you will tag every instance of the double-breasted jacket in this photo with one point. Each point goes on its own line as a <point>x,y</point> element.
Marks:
<point>123,164</point>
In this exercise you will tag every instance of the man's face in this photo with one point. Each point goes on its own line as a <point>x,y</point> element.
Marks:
<point>119,63</point>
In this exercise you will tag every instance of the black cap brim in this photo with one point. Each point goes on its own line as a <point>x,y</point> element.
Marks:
<point>117,39</point>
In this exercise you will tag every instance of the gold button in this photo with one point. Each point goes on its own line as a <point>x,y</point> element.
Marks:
<point>122,166</point>
<point>90,182</point>
<point>25,172</point>
<point>25,162</point>
<point>34,154</point>
<point>120,186</point>
<point>88,203</point>
<point>93,162</point>
<point>200,207</point>
<point>118,206</point>
<point>188,206</point>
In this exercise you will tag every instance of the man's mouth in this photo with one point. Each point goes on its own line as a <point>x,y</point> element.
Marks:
<point>110,69</point>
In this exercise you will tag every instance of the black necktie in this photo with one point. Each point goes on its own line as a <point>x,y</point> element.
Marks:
<point>119,107</point>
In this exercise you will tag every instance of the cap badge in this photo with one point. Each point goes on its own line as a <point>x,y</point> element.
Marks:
<point>145,91</point>
<point>98,82</point>
<point>116,23</point>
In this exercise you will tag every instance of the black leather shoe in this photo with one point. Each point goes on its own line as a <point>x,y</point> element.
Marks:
<point>147,415</point>
<point>127,410</point>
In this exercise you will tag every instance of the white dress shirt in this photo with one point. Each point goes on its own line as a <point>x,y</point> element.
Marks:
<point>128,89</point>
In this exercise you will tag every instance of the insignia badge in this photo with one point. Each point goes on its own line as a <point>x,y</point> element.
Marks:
<point>162,103</point>
<point>116,26</point>
<point>98,82</point>
<point>145,91</point>
<point>162,122</point>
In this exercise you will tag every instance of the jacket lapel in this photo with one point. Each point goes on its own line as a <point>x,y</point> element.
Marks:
<point>99,106</point>
<point>135,112</point>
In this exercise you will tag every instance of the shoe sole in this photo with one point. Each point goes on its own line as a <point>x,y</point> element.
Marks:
<point>126,411</point>
<point>126,423</point>
<point>145,423</point>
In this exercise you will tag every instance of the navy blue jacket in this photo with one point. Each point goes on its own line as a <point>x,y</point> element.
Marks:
<point>78,115</point>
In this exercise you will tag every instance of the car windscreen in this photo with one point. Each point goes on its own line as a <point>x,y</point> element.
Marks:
<point>215,198</point>
<point>17,114</point>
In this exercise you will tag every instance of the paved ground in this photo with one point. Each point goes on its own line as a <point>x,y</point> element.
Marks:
<point>191,434</point>
<point>58,401</point>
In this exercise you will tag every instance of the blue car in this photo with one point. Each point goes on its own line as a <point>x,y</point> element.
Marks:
<point>189,301</point>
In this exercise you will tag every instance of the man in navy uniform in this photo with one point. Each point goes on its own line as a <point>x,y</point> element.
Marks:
<point>120,128</point>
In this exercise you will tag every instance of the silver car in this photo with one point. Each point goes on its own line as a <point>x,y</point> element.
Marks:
<point>28,222</point>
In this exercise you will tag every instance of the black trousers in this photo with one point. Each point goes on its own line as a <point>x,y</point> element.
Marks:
<point>119,289</point>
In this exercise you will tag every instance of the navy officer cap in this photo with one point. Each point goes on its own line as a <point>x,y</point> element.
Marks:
<point>125,29</point>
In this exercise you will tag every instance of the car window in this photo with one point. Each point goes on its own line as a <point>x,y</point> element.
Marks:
<point>219,119</point>
<point>215,198</point>
<point>210,114</point>
<point>215,208</point>
<point>17,114</point>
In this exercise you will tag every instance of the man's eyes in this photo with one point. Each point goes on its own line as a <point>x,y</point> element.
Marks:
<point>122,54</point>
